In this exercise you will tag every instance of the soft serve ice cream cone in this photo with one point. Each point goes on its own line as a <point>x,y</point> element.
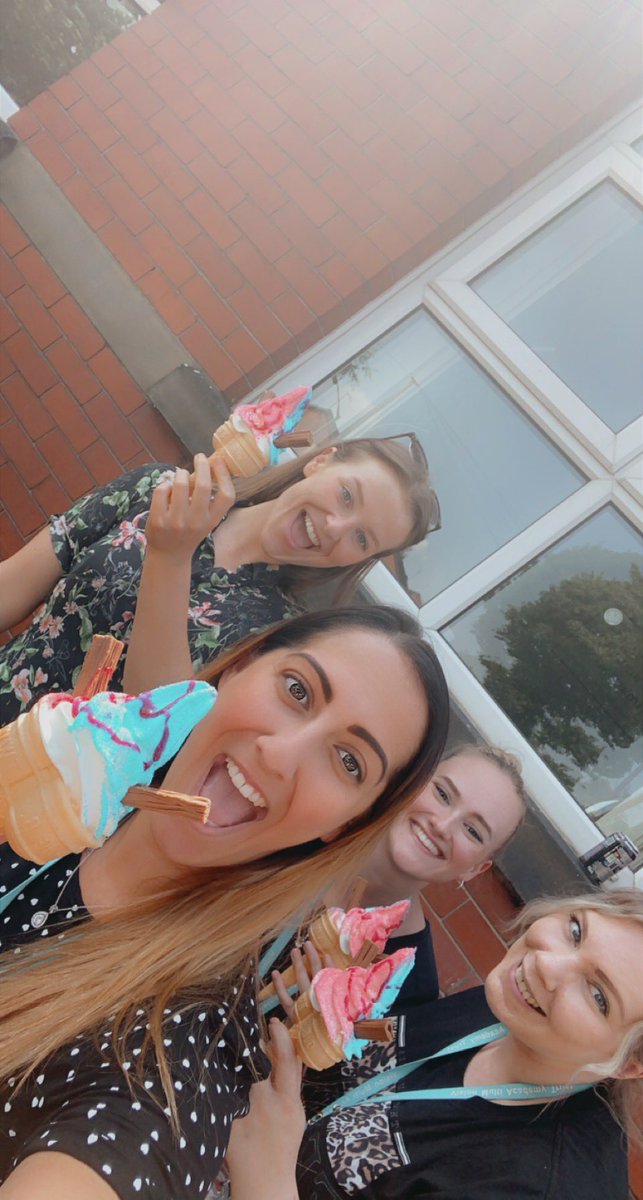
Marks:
<point>67,764</point>
<point>246,441</point>
<point>341,936</point>
<point>324,1017</point>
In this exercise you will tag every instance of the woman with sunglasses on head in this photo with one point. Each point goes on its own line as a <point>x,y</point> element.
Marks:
<point>131,1008</point>
<point>511,1093</point>
<point>164,562</point>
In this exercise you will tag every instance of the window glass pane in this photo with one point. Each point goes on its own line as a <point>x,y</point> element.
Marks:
<point>493,470</point>
<point>574,293</point>
<point>638,145</point>
<point>43,41</point>
<point>559,647</point>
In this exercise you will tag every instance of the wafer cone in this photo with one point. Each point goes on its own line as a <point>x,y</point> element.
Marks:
<point>38,817</point>
<point>303,1007</point>
<point>325,938</point>
<point>239,450</point>
<point>313,1045</point>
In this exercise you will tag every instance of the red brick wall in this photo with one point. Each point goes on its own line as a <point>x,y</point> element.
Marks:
<point>70,415</point>
<point>262,170</point>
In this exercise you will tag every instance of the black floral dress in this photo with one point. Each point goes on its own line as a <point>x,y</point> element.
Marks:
<point>80,1102</point>
<point>100,544</point>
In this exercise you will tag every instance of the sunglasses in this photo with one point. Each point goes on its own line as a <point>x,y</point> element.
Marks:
<point>416,450</point>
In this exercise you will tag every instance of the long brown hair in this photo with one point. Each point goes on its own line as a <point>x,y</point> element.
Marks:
<point>625,1096</point>
<point>195,939</point>
<point>395,456</point>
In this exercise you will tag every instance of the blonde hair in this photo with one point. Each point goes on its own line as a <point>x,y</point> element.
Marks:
<point>625,1096</point>
<point>194,940</point>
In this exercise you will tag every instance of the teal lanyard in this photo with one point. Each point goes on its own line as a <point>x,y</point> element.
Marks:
<point>10,896</point>
<point>270,956</point>
<point>376,1089</point>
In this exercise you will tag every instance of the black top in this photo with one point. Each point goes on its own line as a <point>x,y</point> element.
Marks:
<point>421,985</point>
<point>100,544</point>
<point>455,1149</point>
<point>80,1103</point>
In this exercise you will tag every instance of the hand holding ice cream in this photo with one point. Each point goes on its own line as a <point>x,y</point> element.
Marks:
<point>349,938</point>
<point>338,999</point>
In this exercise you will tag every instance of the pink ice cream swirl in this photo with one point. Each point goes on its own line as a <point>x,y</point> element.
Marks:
<point>375,925</point>
<point>344,996</point>
<point>275,414</point>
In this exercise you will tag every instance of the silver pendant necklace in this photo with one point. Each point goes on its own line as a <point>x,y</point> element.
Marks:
<point>40,918</point>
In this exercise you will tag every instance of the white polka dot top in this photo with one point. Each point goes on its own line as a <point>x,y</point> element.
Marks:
<point>80,1102</point>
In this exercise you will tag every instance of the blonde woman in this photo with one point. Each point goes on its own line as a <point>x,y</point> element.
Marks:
<point>131,1011</point>
<point>549,1046</point>
<point>157,559</point>
<point>451,832</point>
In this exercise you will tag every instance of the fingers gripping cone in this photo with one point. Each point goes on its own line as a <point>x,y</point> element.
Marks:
<point>344,1008</point>
<point>352,938</point>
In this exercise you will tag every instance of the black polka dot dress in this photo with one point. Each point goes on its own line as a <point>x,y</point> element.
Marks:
<point>80,1102</point>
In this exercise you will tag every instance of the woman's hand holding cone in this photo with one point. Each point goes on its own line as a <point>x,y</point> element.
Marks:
<point>185,509</point>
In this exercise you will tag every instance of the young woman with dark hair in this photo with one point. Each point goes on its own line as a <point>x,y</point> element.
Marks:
<point>128,1028</point>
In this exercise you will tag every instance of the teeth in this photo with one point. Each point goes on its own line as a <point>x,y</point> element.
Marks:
<point>241,783</point>
<point>426,841</point>
<point>524,990</point>
<point>310,530</point>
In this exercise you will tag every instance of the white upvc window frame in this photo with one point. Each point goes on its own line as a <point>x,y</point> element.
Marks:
<point>614,450</point>
<point>612,463</point>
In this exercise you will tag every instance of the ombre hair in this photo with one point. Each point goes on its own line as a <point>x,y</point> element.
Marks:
<point>396,458</point>
<point>625,1096</point>
<point>190,942</point>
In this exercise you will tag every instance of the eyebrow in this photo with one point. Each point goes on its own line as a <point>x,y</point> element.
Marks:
<point>357,730</point>
<point>477,816</point>
<point>600,974</point>
<point>367,737</point>
<point>360,496</point>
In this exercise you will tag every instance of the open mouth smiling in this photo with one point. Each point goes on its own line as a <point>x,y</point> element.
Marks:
<point>525,991</point>
<point>425,841</point>
<point>310,530</point>
<point>233,799</point>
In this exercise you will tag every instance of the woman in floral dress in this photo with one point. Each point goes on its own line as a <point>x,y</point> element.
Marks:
<point>201,567</point>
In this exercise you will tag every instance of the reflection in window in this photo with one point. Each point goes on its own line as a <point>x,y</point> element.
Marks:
<point>574,293</point>
<point>494,471</point>
<point>559,648</point>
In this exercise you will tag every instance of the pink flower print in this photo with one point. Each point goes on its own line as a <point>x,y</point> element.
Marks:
<point>20,685</point>
<point>119,626</point>
<point>98,583</point>
<point>51,626</point>
<point>40,677</point>
<point>203,614</point>
<point>129,533</point>
<point>48,652</point>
